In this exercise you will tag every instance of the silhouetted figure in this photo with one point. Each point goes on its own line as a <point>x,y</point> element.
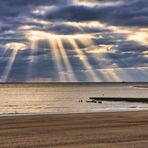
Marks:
<point>80,101</point>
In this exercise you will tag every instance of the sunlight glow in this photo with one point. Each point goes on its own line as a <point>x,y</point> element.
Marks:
<point>25,27</point>
<point>43,9</point>
<point>101,49</point>
<point>141,37</point>
<point>133,34</point>
<point>15,46</point>
<point>146,54</point>
<point>38,21</point>
<point>41,35</point>
<point>81,25</point>
<point>99,4</point>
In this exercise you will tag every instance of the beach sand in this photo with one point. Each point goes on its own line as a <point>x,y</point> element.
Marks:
<point>90,130</point>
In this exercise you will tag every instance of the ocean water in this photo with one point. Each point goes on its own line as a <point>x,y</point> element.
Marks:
<point>64,98</point>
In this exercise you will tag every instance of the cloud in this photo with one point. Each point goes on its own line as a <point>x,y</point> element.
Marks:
<point>129,13</point>
<point>98,40</point>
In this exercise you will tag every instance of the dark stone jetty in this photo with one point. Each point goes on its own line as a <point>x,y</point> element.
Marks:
<point>142,100</point>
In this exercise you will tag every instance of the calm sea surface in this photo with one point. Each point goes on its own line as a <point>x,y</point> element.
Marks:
<point>64,98</point>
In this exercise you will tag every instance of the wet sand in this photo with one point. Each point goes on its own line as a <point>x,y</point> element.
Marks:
<point>97,130</point>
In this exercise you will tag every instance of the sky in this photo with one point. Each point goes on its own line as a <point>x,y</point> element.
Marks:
<point>73,40</point>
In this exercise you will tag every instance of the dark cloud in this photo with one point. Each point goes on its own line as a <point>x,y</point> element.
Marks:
<point>130,13</point>
<point>12,8</point>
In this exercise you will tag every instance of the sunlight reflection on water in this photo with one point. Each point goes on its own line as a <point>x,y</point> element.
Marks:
<point>26,100</point>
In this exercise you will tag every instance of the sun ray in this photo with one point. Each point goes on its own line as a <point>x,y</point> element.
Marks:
<point>34,47</point>
<point>9,66</point>
<point>15,47</point>
<point>64,55</point>
<point>111,75</point>
<point>59,53</point>
<point>57,57</point>
<point>84,60</point>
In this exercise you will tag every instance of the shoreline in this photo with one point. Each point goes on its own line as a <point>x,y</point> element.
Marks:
<point>71,113</point>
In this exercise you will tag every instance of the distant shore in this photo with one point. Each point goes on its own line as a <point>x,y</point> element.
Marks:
<point>137,84</point>
<point>114,130</point>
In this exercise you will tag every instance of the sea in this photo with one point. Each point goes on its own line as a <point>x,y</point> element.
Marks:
<point>63,98</point>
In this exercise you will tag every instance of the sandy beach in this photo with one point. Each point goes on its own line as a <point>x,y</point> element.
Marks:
<point>114,130</point>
